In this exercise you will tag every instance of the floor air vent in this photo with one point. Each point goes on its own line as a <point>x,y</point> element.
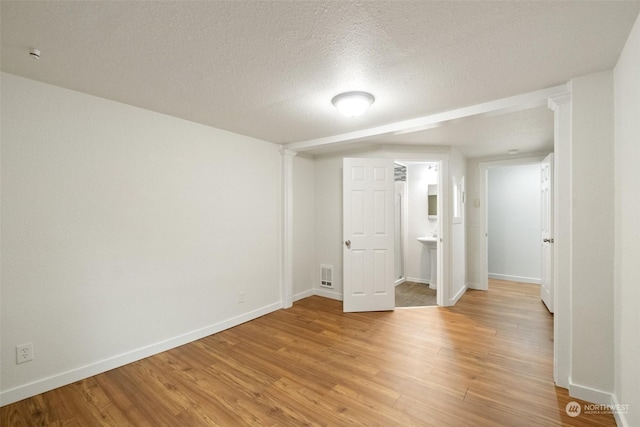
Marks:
<point>326,276</point>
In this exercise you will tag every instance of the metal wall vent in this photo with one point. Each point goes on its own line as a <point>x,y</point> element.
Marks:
<point>326,276</point>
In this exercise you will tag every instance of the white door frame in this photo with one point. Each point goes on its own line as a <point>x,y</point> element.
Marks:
<point>562,197</point>
<point>444,223</point>
<point>483,169</point>
<point>403,229</point>
<point>443,295</point>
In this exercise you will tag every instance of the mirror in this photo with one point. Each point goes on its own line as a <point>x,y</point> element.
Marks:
<point>432,202</point>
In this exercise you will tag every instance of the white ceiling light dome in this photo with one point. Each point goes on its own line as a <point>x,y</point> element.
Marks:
<point>353,104</point>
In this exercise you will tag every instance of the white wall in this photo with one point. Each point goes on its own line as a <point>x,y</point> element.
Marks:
<point>306,274</point>
<point>592,222</point>
<point>328,229</point>
<point>627,229</point>
<point>513,200</point>
<point>475,237</point>
<point>125,232</point>
<point>418,257</point>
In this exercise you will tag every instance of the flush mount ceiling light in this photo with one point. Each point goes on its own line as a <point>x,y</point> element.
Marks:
<point>353,104</point>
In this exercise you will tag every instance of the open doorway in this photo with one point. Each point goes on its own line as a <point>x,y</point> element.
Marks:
<point>417,233</point>
<point>512,220</point>
<point>514,223</point>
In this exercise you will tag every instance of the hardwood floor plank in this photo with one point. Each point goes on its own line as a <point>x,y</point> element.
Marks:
<point>319,409</point>
<point>487,361</point>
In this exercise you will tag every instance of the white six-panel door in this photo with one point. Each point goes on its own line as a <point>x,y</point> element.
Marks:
<point>546,220</point>
<point>368,247</point>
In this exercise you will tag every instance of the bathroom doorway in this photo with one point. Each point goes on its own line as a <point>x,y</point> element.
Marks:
<point>416,233</point>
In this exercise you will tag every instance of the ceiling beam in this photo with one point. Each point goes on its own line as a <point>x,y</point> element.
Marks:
<point>511,104</point>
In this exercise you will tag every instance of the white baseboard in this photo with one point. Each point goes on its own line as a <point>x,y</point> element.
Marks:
<point>534,280</point>
<point>82,372</point>
<point>414,279</point>
<point>303,294</point>
<point>400,281</point>
<point>621,419</point>
<point>600,397</point>
<point>590,394</point>
<point>327,293</point>
<point>476,286</point>
<point>457,296</point>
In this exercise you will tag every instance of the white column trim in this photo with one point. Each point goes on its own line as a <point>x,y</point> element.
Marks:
<point>562,347</point>
<point>287,227</point>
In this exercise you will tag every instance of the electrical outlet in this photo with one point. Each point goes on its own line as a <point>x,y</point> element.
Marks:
<point>24,353</point>
<point>241,297</point>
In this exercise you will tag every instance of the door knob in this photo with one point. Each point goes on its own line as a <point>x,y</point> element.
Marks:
<point>548,240</point>
<point>348,243</point>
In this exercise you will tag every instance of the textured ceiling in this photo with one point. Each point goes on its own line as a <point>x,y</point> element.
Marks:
<point>529,131</point>
<point>268,69</point>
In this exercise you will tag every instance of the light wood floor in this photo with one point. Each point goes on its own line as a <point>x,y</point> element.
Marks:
<point>485,362</point>
<point>413,294</point>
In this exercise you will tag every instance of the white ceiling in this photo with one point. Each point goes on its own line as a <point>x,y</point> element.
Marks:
<point>268,69</point>
<point>528,131</point>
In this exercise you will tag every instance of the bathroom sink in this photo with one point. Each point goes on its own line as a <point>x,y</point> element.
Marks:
<point>431,244</point>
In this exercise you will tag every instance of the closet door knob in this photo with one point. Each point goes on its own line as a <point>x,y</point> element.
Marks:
<point>348,244</point>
